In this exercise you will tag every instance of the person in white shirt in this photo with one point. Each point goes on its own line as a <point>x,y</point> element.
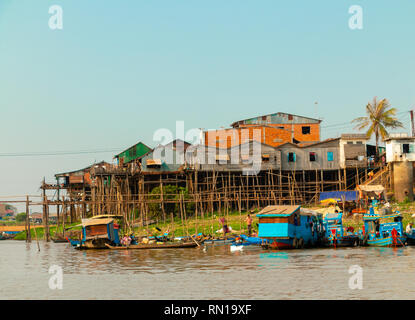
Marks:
<point>409,228</point>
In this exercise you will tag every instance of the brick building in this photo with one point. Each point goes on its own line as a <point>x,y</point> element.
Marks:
<point>273,129</point>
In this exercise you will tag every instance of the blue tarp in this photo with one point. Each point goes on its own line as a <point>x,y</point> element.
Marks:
<point>350,195</point>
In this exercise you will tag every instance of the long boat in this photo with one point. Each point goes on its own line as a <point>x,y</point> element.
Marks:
<point>154,246</point>
<point>219,241</point>
<point>383,234</point>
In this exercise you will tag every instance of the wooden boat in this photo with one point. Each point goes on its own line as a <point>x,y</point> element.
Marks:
<point>154,246</point>
<point>96,233</point>
<point>383,234</point>
<point>7,236</point>
<point>289,227</point>
<point>58,238</point>
<point>219,241</point>
<point>335,235</point>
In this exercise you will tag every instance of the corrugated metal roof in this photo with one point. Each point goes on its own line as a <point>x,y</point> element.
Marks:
<point>278,210</point>
<point>277,118</point>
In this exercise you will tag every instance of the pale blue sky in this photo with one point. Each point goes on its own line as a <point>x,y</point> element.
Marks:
<point>119,70</point>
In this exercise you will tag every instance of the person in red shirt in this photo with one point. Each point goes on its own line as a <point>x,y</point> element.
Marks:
<point>394,236</point>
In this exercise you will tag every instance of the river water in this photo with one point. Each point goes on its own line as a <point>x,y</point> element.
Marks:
<point>210,273</point>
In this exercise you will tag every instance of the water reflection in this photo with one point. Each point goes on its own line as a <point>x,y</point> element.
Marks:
<point>274,255</point>
<point>209,273</point>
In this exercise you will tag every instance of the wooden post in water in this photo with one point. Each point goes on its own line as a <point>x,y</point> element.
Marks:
<point>28,232</point>
<point>63,216</point>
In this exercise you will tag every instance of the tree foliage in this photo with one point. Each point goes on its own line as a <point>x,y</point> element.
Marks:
<point>170,192</point>
<point>379,117</point>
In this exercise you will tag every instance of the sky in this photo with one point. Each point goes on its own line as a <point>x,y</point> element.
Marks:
<point>120,70</point>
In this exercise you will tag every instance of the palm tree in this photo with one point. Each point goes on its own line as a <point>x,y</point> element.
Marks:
<point>380,116</point>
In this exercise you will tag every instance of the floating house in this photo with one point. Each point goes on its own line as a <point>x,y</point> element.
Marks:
<point>289,227</point>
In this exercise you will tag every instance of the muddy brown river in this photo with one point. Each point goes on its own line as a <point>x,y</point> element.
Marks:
<point>211,273</point>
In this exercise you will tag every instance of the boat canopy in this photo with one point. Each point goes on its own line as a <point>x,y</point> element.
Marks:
<point>95,222</point>
<point>278,211</point>
<point>101,216</point>
<point>333,216</point>
<point>377,216</point>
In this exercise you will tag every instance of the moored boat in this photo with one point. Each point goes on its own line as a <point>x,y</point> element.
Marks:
<point>335,233</point>
<point>289,227</point>
<point>96,233</point>
<point>380,232</point>
<point>164,245</point>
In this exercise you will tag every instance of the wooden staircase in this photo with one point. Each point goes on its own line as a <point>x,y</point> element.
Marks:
<point>381,177</point>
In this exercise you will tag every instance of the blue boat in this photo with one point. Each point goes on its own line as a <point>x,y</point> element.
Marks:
<point>289,227</point>
<point>380,232</point>
<point>335,235</point>
<point>96,233</point>
<point>410,238</point>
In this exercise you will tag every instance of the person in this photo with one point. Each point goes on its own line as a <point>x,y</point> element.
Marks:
<point>126,240</point>
<point>409,228</point>
<point>370,174</point>
<point>249,224</point>
<point>394,234</point>
<point>224,226</point>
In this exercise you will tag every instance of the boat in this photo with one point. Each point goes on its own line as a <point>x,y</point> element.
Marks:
<point>164,245</point>
<point>380,231</point>
<point>219,241</point>
<point>59,238</point>
<point>244,240</point>
<point>410,238</point>
<point>289,227</point>
<point>335,235</point>
<point>96,233</point>
<point>7,235</point>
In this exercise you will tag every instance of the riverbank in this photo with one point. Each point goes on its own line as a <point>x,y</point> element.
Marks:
<point>209,224</point>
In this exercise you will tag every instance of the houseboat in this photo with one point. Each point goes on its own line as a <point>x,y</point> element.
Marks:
<point>96,233</point>
<point>383,230</point>
<point>335,235</point>
<point>288,227</point>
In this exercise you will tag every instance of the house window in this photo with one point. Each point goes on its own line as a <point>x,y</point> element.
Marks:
<point>405,148</point>
<point>313,156</point>
<point>349,142</point>
<point>359,142</point>
<point>265,157</point>
<point>306,130</point>
<point>291,157</point>
<point>330,156</point>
